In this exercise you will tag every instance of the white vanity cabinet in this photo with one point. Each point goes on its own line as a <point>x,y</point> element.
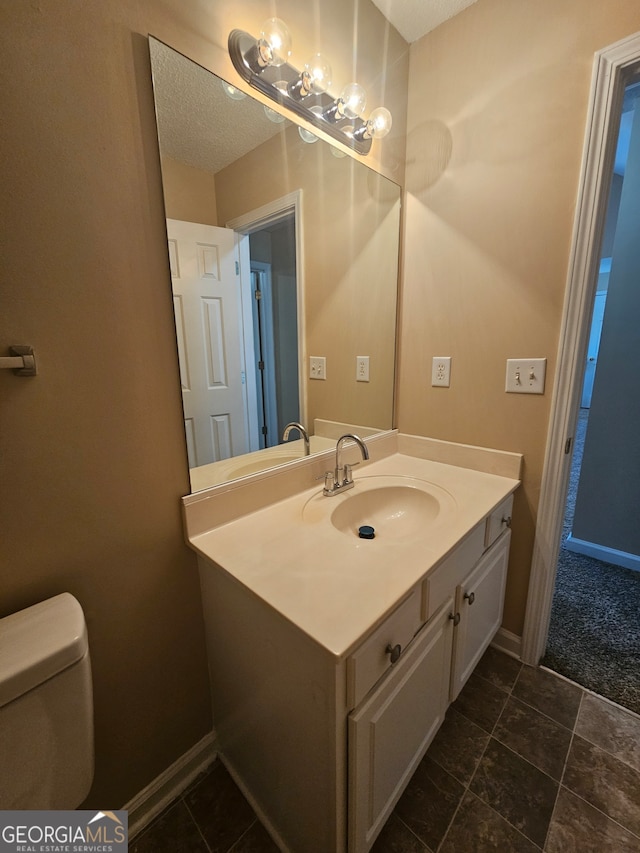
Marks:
<point>323,744</point>
<point>391,729</point>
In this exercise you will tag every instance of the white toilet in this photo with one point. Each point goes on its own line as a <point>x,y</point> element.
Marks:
<point>46,707</point>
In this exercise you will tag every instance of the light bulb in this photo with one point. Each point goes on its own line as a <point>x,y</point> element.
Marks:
<point>378,124</point>
<point>272,115</point>
<point>318,74</point>
<point>232,92</point>
<point>274,44</point>
<point>352,100</point>
<point>314,79</point>
<point>350,104</point>
<point>307,136</point>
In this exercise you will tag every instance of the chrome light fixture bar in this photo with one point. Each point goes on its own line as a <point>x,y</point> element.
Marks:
<point>263,64</point>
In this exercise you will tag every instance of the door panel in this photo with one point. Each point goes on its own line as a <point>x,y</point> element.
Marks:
<point>208,328</point>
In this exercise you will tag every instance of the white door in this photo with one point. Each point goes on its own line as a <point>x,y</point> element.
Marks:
<point>206,299</point>
<point>593,347</point>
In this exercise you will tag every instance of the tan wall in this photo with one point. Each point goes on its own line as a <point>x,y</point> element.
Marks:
<point>189,193</point>
<point>350,226</point>
<point>92,449</point>
<point>497,110</point>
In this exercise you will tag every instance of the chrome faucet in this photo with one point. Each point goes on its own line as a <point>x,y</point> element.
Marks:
<point>341,478</point>
<point>304,434</point>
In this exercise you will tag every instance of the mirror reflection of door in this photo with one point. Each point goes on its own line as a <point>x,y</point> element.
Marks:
<point>215,351</point>
<point>207,311</point>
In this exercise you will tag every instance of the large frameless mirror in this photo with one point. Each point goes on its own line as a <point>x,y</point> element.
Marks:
<point>284,269</point>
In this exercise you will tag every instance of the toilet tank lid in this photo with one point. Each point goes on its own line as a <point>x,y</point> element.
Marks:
<point>39,642</point>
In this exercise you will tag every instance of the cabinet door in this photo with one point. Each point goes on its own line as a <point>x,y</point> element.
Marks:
<point>479,601</point>
<point>390,732</point>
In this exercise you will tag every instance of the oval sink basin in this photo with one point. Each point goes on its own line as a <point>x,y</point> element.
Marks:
<point>395,506</point>
<point>393,511</point>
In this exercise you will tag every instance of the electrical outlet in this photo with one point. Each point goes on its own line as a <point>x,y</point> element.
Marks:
<point>317,367</point>
<point>362,368</point>
<point>525,375</point>
<point>441,371</point>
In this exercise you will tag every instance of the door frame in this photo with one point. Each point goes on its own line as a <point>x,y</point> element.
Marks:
<point>255,220</point>
<point>269,373</point>
<point>614,68</point>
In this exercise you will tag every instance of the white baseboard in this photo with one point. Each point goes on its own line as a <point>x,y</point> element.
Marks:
<point>255,805</point>
<point>510,644</point>
<point>157,795</point>
<point>601,552</point>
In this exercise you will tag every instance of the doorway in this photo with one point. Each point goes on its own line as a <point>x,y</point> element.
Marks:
<point>615,68</point>
<point>275,328</point>
<point>272,291</point>
<point>593,633</point>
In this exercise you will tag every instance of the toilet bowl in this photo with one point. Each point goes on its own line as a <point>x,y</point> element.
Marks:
<point>46,707</point>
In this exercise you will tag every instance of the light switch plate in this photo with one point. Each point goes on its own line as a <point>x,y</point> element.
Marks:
<point>317,367</point>
<point>525,375</point>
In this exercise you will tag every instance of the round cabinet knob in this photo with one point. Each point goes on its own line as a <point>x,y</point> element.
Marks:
<point>394,652</point>
<point>455,617</point>
<point>507,520</point>
<point>470,596</point>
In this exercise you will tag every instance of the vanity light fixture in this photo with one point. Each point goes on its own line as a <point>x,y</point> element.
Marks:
<point>264,64</point>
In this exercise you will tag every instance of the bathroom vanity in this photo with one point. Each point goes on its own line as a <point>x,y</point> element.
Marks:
<point>333,658</point>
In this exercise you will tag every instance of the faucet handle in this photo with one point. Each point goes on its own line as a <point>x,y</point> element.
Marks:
<point>329,479</point>
<point>329,483</point>
<point>348,476</point>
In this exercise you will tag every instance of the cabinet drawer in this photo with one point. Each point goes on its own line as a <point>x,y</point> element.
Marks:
<point>498,521</point>
<point>440,582</point>
<point>368,663</point>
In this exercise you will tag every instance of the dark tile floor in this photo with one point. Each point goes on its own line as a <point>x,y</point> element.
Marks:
<point>524,762</point>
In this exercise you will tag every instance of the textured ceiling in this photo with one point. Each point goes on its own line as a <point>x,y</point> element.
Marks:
<point>198,124</point>
<point>414,18</point>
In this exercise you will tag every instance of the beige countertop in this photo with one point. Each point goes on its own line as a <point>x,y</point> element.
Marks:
<point>333,585</point>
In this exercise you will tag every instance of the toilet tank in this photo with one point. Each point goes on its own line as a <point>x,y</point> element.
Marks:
<point>46,707</point>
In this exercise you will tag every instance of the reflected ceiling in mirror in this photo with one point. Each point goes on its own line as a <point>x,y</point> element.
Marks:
<point>283,251</point>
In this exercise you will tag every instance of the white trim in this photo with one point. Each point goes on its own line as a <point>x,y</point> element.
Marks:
<point>601,552</point>
<point>508,643</point>
<point>148,803</point>
<point>613,68</point>
<point>248,350</point>
<point>258,218</point>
